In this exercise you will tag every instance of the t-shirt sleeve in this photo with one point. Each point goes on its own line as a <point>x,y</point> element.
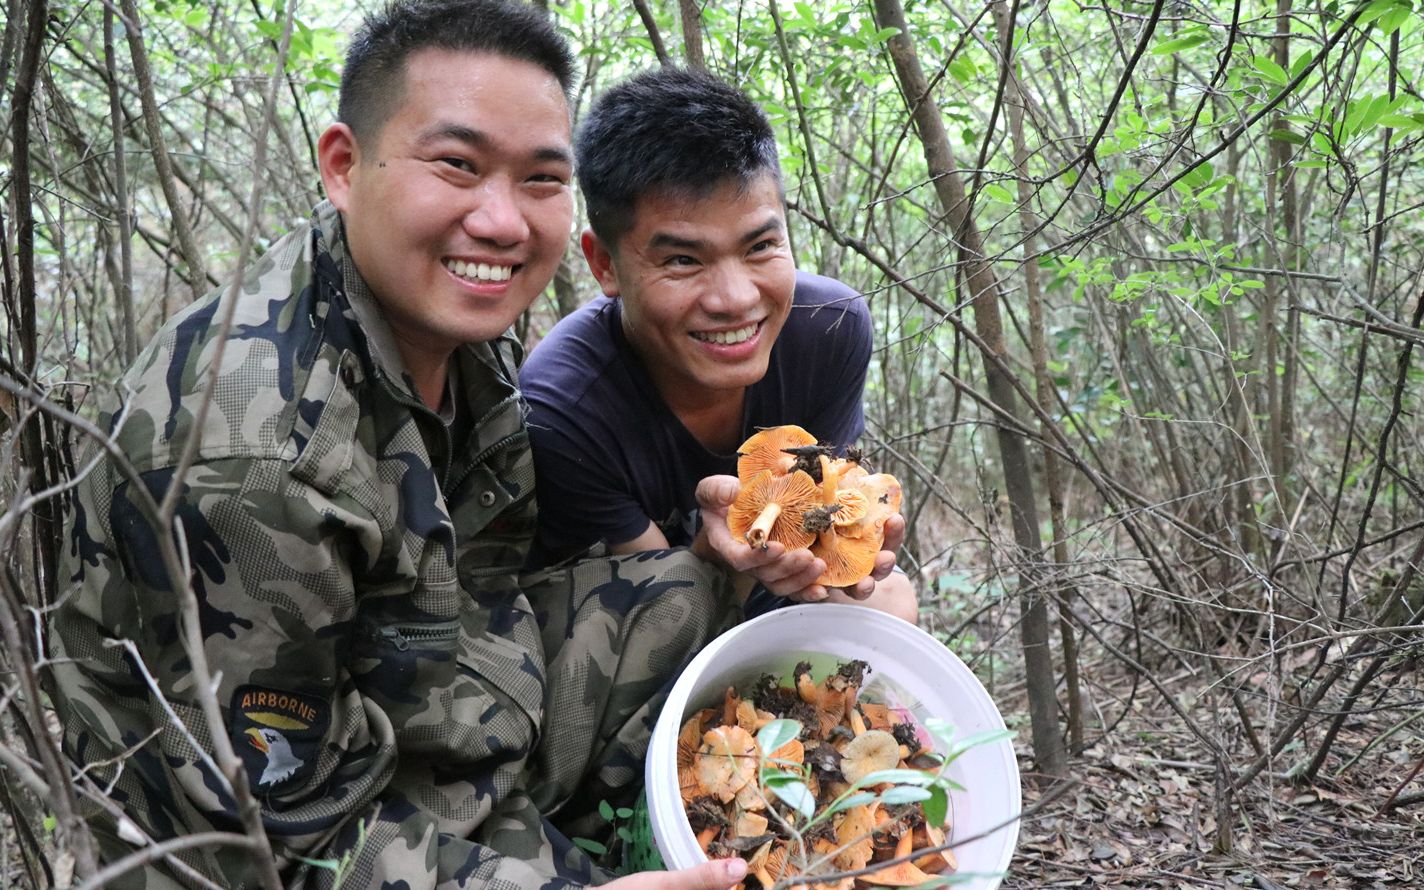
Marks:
<point>840,379</point>
<point>581,485</point>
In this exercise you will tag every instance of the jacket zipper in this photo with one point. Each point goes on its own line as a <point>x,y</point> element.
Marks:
<point>401,637</point>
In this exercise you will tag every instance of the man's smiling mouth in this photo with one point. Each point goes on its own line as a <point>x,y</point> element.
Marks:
<point>728,338</point>
<point>479,271</point>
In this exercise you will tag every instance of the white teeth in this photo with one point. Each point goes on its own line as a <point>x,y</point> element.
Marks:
<point>479,271</point>
<point>727,338</point>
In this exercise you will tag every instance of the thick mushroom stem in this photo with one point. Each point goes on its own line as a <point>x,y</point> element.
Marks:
<point>756,535</point>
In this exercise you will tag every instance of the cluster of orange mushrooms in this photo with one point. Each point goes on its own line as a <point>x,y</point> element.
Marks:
<point>793,492</point>
<point>843,740</point>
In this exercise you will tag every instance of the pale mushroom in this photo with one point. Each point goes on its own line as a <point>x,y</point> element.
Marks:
<point>727,761</point>
<point>869,752</point>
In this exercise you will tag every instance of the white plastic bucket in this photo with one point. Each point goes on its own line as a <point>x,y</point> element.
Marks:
<point>904,661</point>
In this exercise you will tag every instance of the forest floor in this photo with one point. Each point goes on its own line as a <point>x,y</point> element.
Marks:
<point>1143,811</point>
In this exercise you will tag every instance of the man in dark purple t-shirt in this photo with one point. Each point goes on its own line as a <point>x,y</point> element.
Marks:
<point>706,332</point>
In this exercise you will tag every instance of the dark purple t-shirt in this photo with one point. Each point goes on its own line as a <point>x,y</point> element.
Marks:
<point>609,455</point>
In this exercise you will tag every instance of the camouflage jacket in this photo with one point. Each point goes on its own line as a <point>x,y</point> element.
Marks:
<point>355,557</point>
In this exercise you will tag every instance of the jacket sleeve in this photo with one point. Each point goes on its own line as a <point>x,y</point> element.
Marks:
<point>318,694</point>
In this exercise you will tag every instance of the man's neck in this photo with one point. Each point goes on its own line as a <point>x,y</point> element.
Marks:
<point>429,374</point>
<point>716,422</point>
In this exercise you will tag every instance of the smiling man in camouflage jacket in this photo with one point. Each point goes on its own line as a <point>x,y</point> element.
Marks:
<point>358,510</point>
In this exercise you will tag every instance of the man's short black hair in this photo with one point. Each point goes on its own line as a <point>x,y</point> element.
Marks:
<point>669,130</point>
<point>374,77</point>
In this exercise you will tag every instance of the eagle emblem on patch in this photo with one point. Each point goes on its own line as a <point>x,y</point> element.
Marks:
<point>278,735</point>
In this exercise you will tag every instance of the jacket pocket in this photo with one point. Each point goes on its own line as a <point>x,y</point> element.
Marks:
<point>408,669</point>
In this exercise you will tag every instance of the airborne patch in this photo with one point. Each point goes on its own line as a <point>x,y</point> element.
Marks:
<point>278,735</point>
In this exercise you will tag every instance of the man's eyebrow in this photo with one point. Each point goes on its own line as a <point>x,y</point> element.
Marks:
<point>479,139</point>
<point>771,225</point>
<point>663,239</point>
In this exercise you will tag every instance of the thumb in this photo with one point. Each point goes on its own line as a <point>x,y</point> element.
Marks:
<point>717,874</point>
<point>716,492</point>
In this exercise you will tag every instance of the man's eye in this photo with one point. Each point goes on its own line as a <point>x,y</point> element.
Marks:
<point>760,246</point>
<point>681,259</point>
<point>555,178</point>
<point>458,164</point>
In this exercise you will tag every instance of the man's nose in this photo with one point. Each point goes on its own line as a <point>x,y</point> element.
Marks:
<point>497,215</point>
<point>735,291</point>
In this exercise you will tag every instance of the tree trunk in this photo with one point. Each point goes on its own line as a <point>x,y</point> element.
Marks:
<point>979,275</point>
<point>1033,290</point>
<point>691,15</point>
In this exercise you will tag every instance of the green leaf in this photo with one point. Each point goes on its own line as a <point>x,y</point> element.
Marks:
<point>798,797</point>
<point>591,847</point>
<point>1399,121</point>
<point>1290,136</point>
<point>1270,70</point>
<point>1196,38</point>
<point>1300,62</point>
<point>624,812</point>
<point>328,864</point>
<point>897,777</point>
<point>1392,20</point>
<point>883,35</point>
<point>936,806</point>
<point>777,733</point>
<point>1370,116</point>
<point>962,69</point>
<point>859,799</point>
<point>987,737</point>
<point>1374,11</point>
<point>904,794</point>
<point>996,192</point>
<point>605,809</point>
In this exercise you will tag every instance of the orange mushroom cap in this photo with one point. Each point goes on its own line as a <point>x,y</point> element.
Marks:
<point>882,495</point>
<point>763,451</point>
<point>902,874</point>
<point>847,558</point>
<point>854,833</point>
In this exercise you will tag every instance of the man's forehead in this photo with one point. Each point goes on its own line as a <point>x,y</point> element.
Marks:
<point>672,209</point>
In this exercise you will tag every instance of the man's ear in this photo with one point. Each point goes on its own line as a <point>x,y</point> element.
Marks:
<point>600,262</point>
<point>337,154</point>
